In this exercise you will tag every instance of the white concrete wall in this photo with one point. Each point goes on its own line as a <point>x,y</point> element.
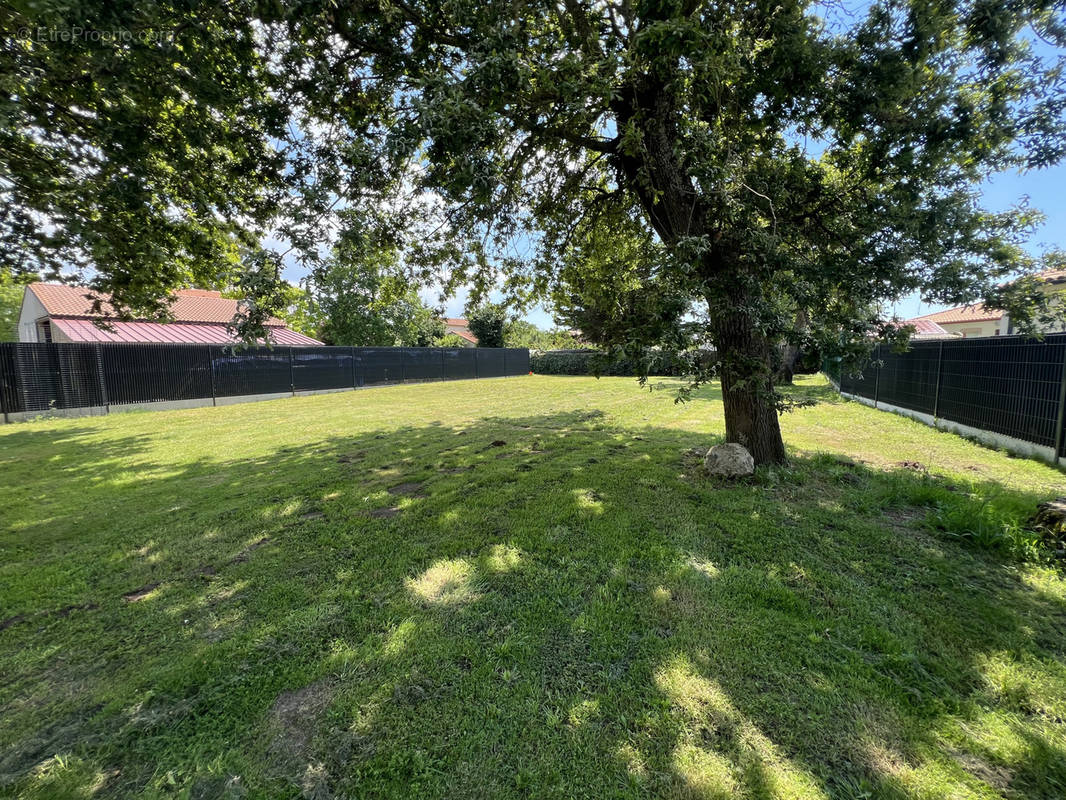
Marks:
<point>1017,446</point>
<point>975,329</point>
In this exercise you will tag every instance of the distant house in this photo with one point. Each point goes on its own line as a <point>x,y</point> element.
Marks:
<point>965,321</point>
<point>461,328</point>
<point>58,313</point>
<point>926,330</point>
<point>979,320</point>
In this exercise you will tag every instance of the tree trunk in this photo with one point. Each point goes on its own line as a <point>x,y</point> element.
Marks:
<point>789,351</point>
<point>745,369</point>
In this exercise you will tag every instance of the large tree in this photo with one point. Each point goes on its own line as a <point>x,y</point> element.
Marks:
<point>777,159</point>
<point>773,155</point>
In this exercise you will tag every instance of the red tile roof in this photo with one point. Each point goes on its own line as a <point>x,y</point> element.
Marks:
<point>457,322</point>
<point>926,327</point>
<point>189,305</point>
<point>84,330</point>
<point>465,335</point>
<point>1052,275</point>
<point>971,313</point>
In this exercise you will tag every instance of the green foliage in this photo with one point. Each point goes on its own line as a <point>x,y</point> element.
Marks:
<point>299,312</point>
<point>519,333</point>
<point>452,340</point>
<point>421,327</point>
<point>137,153</point>
<point>487,322</point>
<point>10,305</point>
<point>363,298</point>
<point>598,362</point>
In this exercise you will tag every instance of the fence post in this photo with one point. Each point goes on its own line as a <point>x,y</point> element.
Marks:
<point>443,377</point>
<point>3,393</point>
<point>352,349</point>
<point>100,378</point>
<point>1060,422</point>
<point>477,373</point>
<point>939,368</point>
<point>292,379</point>
<point>877,374</point>
<point>211,367</point>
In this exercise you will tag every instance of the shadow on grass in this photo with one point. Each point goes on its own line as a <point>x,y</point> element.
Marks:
<point>542,606</point>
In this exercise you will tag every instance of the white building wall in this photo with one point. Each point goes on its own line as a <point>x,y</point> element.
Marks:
<point>32,310</point>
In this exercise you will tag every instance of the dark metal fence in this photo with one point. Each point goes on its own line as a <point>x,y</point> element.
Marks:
<point>1008,385</point>
<point>39,377</point>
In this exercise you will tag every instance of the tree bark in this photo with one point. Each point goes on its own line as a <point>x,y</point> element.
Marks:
<point>745,369</point>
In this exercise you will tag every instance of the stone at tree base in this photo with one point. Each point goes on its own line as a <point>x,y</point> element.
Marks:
<point>1050,522</point>
<point>731,460</point>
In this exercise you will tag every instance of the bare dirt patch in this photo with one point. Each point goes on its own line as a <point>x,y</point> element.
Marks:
<point>916,466</point>
<point>312,515</point>
<point>384,513</point>
<point>996,776</point>
<point>246,553</point>
<point>139,594</point>
<point>409,487</point>
<point>293,719</point>
<point>11,621</point>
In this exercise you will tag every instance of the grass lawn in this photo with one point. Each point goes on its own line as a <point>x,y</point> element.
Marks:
<point>521,588</point>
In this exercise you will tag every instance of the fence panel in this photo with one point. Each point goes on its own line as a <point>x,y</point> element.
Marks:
<point>378,365</point>
<point>859,381</point>
<point>1005,385</point>
<point>10,396</point>
<point>257,370</point>
<point>909,379</point>
<point>460,363</point>
<point>516,361</point>
<point>38,376</point>
<point>322,368</point>
<point>149,373</point>
<point>422,364</point>
<point>491,363</point>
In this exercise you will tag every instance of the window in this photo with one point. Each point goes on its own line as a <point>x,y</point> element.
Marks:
<point>44,331</point>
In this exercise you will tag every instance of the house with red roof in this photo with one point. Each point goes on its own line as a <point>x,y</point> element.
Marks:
<point>965,321</point>
<point>461,328</point>
<point>979,320</point>
<point>59,313</point>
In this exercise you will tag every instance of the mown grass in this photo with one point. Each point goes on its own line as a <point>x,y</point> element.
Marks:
<point>551,601</point>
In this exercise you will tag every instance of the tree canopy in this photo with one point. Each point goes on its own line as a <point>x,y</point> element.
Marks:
<point>487,322</point>
<point>672,162</point>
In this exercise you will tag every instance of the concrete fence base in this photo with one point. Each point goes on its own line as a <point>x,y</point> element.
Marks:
<point>998,440</point>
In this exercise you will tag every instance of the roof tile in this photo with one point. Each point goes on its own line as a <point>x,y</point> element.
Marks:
<point>189,305</point>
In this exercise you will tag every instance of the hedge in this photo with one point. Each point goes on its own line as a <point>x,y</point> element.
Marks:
<point>595,362</point>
